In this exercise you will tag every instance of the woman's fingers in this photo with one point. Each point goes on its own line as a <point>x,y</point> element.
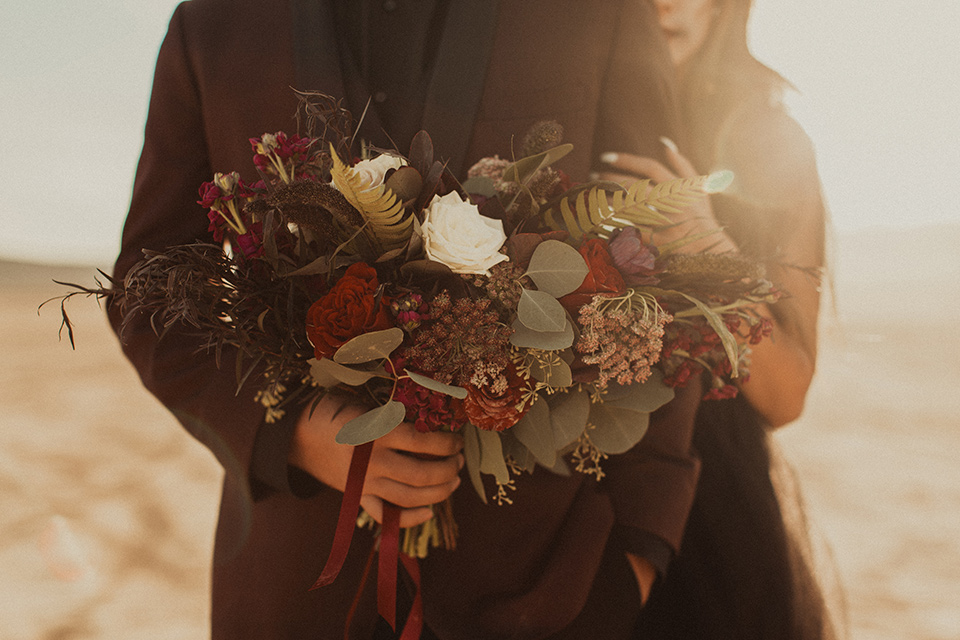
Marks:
<point>680,163</point>
<point>637,167</point>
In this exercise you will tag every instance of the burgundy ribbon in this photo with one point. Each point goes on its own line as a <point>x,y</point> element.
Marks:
<point>389,554</point>
<point>347,521</point>
<point>414,625</point>
<point>387,564</point>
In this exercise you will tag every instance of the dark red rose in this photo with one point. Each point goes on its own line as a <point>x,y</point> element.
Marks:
<point>487,409</point>
<point>350,309</point>
<point>603,276</point>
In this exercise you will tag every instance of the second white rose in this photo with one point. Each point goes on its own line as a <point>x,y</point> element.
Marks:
<point>455,234</point>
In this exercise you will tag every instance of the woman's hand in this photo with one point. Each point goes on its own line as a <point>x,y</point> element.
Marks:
<point>697,218</point>
<point>410,469</point>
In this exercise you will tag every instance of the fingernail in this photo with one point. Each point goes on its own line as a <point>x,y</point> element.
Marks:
<point>609,157</point>
<point>669,144</point>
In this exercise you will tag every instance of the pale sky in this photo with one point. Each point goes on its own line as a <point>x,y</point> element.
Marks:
<point>879,83</point>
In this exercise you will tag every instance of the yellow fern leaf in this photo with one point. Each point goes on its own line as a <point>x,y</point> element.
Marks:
<point>388,224</point>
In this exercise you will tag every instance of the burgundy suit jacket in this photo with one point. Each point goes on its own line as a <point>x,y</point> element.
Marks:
<point>547,566</point>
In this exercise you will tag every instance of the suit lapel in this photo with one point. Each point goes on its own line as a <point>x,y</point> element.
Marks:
<point>453,97</point>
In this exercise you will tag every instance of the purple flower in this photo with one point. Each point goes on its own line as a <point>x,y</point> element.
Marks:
<point>634,259</point>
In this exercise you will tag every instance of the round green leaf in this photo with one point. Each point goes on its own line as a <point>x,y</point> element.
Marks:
<point>471,452</point>
<point>369,346</point>
<point>371,425</point>
<point>325,369</point>
<point>535,433</point>
<point>557,375</point>
<point>557,268</point>
<point>617,430</point>
<point>643,398</point>
<point>491,456</point>
<point>540,311</point>
<point>439,387</point>
<point>568,416</point>
<point>547,340</point>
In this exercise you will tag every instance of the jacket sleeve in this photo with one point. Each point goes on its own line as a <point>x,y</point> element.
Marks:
<point>163,213</point>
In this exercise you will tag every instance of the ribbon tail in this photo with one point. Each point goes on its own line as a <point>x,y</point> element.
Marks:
<point>387,564</point>
<point>414,625</point>
<point>347,521</point>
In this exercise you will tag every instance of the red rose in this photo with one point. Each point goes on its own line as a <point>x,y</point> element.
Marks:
<point>350,309</point>
<point>496,411</point>
<point>603,276</point>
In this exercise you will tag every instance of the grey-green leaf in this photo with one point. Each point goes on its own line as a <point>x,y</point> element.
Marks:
<point>547,340</point>
<point>471,452</point>
<point>324,369</point>
<point>540,311</point>
<point>557,268</point>
<point>568,416</point>
<point>491,456</point>
<point>369,346</point>
<point>617,430</point>
<point>536,434</point>
<point>439,387</point>
<point>372,424</point>
<point>558,374</point>
<point>646,397</point>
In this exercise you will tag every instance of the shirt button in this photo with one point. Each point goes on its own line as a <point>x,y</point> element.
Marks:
<point>389,5</point>
<point>380,97</point>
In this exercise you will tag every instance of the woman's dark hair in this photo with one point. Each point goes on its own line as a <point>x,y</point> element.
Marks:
<point>720,76</point>
<point>742,571</point>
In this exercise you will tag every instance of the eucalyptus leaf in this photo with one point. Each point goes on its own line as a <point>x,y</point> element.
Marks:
<point>471,453</point>
<point>617,430</point>
<point>535,433</point>
<point>439,387</point>
<point>326,369</point>
<point>491,456</point>
<point>558,375</point>
<point>557,268</point>
<point>369,346</point>
<point>480,186</point>
<point>569,413</point>
<point>644,397</point>
<point>320,265</point>
<point>547,340</point>
<point>371,425</point>
<point>522,457</point>
<point>540,311</point>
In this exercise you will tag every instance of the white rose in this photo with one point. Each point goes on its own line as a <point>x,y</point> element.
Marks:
<point>455,234</point>
<point>373,171</point>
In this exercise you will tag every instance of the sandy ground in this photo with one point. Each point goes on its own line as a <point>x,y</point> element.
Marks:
<point>107,508</point>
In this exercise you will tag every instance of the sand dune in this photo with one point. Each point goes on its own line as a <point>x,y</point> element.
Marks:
<point>107,508</point>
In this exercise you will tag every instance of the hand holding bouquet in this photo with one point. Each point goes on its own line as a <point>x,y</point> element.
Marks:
<point>533,316</point>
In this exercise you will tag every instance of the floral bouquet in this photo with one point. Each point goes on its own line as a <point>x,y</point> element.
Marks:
<point>534,316</point>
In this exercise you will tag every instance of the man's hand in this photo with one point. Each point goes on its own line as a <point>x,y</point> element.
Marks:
<point>410,469</point>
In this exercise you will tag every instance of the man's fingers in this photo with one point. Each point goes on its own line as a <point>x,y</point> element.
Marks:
<point>436,443</point>
<point>408,517</point>
<point>413,471</point>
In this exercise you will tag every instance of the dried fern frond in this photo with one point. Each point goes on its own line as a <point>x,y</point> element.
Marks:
<point>600,208</point>
<point>388,224</point>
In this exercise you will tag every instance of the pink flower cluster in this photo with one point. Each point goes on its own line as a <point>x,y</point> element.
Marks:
<point>623,342</point>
